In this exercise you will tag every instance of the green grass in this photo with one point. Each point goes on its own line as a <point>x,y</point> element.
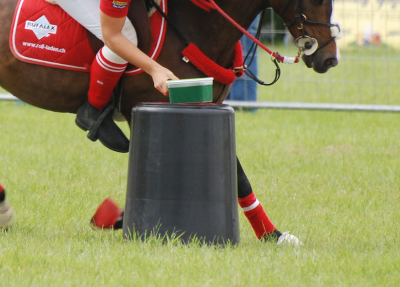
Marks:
<point>331,178</point>
<point>367,75</point>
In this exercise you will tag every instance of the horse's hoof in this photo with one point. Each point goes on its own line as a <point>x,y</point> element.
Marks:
<point>108,216</point>
<point>287,238</point>
<point>7,216</point>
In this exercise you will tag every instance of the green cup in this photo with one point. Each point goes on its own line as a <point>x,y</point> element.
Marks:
<point>198,90</point>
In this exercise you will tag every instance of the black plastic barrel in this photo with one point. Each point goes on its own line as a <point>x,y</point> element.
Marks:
<point>182,173</point>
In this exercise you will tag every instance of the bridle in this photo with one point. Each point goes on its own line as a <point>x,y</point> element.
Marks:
<point>305,43</point>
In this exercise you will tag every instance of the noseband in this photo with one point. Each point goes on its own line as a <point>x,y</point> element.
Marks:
<point>305,43</point>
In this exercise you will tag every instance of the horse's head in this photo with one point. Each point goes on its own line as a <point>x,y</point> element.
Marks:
<point>312,25</point>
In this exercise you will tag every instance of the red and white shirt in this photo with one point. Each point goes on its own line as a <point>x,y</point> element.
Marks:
<point>115,8</point>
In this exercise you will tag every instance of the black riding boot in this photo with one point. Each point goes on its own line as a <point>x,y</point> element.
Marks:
<point>102,126</point>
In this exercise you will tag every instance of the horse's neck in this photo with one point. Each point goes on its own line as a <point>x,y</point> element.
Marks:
<point>211,32</point>
<point>244,11</point>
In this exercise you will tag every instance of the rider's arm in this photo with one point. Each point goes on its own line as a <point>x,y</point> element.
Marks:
<point>111,28</point>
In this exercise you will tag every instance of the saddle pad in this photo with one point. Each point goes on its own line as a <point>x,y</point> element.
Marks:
<point>44,34</point>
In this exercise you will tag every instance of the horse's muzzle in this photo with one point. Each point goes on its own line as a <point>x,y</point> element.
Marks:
<point>320,66</point>
<point>331,62</point>
<point>307,60</point>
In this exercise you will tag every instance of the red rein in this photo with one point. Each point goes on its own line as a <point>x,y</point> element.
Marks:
<point>209,5</point>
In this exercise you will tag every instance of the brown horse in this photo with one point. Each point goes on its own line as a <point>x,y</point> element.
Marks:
<point>65,91</point>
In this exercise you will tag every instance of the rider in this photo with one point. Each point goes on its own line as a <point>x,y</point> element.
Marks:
<point>107,20</point>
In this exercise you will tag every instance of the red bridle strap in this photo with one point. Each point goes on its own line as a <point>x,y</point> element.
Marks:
<point>210,4</point>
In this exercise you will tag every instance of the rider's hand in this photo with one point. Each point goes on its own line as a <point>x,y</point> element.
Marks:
<point>160,77</point>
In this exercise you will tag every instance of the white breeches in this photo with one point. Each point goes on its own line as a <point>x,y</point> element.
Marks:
<point>87,13</point>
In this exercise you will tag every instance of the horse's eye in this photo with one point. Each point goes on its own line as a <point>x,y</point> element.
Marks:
<point>318,2</point>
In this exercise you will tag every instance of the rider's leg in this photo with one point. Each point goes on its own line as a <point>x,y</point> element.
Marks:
<point>105,73</point>
<point>107,69</point>
<point>252,208</point>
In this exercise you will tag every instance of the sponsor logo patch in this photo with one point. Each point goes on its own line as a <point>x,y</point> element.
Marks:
<point>119,4</point>
<point>41,27</point>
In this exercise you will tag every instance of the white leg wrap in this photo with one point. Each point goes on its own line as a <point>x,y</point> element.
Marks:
<point>6,215</point>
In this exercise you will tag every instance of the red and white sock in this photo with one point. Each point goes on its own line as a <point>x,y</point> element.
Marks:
<point>105,73</point>
<point>256,215</point>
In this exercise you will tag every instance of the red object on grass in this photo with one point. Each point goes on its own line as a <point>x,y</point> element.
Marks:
<point>107,214</point>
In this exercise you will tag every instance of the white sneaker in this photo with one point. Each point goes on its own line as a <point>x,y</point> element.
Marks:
<point>6,215</point>
<point>287,238</point>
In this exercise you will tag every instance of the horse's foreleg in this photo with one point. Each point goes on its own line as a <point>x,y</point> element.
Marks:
<point>6,212</point>
<point>252,208</point>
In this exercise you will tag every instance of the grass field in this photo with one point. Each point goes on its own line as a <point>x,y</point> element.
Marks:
<point>331,178</point>
<point>367,75</point>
